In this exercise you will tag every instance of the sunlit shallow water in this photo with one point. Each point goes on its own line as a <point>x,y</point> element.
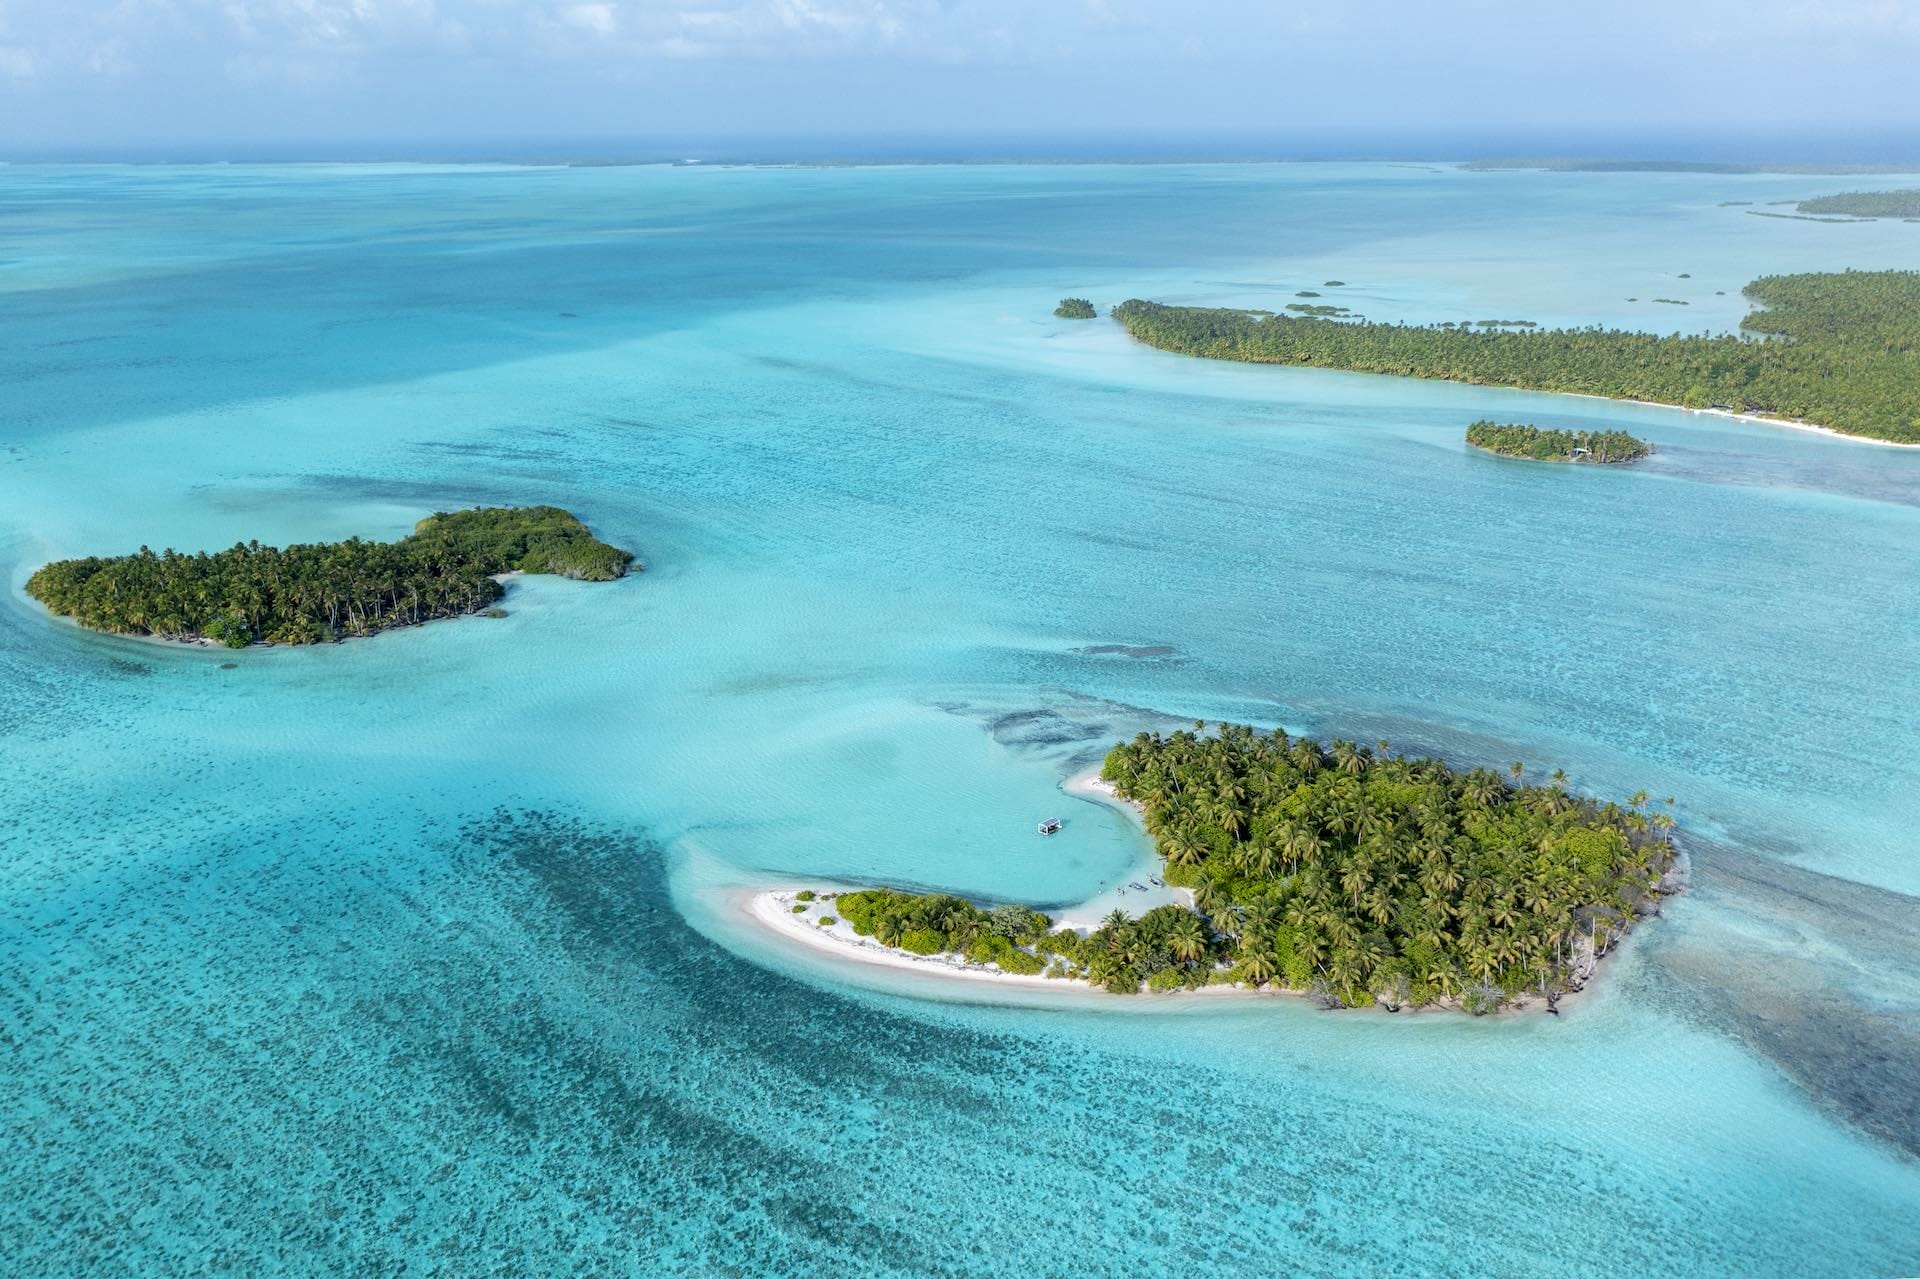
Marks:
<point>413,952</point>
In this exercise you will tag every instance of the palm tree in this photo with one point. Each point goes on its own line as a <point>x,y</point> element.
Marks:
<point>1343,969</point>
<point>1258,859</point>
<point>1207,894</point>
<point>1261,966</point>
<point>1355,878</point>
<point>1186,940</point>
<point>1483,789</point>
<point>1429,930</point>
<point>1262,917</point>
<point>1302,846</point>
<point>1340,930</point>
<point>1299,914</point>
<point>1227,920</point>
<point>1180,851</point>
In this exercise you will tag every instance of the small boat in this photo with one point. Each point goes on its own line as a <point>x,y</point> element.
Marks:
<point>1049,826</point>
<point>1137,886</point>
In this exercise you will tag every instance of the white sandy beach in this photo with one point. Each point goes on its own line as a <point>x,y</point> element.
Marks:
<point>775,910</point>
<point>1737,416</point>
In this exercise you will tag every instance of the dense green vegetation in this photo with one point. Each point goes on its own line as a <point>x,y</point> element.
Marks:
<point>306,594</point>
<point>930,923</point>
<point>1867,204</point>
<point>1334,871</point>
<point>1840,349</point>
<point>1074,309</point>
<point>1535,444</point>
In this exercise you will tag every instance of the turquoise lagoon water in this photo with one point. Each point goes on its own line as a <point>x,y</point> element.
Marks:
<point>416,955</point>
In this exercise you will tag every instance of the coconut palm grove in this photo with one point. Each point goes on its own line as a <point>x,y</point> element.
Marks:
<point>1343,872</point>
<point>321,592</point>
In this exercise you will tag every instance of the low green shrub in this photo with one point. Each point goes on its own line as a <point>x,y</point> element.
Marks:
<point>1167,979</point>
<point>1022,963</point>
<point>923,941</point>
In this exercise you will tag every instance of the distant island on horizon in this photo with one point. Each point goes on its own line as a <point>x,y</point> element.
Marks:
<point>1839,350</point>
<point>1866,204</point>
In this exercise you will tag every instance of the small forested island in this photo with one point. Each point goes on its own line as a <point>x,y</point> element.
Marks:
<point>311,593</point>
<point>1348,875</point>
<point>1074,309</point>
<point>1839,349</point>
<point>1546,445</point>
<point>1866,204</point>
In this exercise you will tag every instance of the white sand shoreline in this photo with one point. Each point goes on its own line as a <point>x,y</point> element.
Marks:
<point>1733,414</point>
<point>773,910</point>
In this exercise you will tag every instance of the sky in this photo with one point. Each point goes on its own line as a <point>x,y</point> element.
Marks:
<point>134,75</point>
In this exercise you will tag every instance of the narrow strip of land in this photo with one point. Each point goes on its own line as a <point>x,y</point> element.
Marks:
<point>1840,351</point>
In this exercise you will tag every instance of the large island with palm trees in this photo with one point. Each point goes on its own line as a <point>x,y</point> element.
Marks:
<point>1837,348</point>
<point>1349,875</point>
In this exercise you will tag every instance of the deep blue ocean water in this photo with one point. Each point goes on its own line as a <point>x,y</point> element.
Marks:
<point>416,955</point>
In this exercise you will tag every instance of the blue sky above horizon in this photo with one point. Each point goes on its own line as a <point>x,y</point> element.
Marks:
<point>146,73</point>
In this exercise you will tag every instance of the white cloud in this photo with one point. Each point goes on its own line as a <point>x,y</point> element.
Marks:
<point>1204,51</point>
<point>596,18</point>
